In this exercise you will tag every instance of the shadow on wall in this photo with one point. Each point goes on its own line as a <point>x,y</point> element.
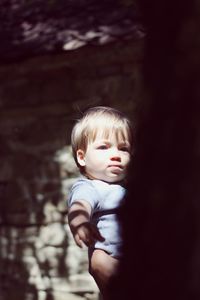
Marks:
<point>33,239</point>
<point>37,256</point>
<point>13,278</point>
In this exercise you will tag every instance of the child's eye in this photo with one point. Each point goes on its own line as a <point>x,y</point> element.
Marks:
<point>124,149</point>
<point>102,147</point>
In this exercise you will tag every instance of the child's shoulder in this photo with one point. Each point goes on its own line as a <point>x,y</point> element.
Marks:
<point>84,189</point>
<point>93,185</point>
<point>96,184</point>
<point>82,181</point>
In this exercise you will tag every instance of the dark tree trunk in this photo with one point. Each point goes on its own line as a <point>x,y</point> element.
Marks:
<point>161,216</point>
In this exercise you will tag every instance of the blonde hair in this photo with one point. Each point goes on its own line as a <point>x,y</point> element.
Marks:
<point>106,119</point>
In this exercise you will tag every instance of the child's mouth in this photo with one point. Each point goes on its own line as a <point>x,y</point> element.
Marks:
<point>116,168</point>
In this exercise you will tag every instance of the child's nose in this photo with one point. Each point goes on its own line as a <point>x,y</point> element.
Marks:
<point>116,158</point>
<point>115,155</point>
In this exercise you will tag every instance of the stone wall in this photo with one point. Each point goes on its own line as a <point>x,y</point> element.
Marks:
<point>39,99</point>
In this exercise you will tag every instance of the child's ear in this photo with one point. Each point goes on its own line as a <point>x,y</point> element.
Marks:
<point>80,157</point>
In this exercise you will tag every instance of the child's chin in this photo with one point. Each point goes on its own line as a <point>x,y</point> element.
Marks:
<point>115,179</point>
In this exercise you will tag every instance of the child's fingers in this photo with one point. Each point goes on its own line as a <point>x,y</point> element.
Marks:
<point>78,241</point>
<point>88,234</point>
<point>97,235</point>
<point>82,238</point>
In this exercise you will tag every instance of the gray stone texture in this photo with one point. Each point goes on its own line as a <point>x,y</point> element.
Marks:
<point>40,98</point>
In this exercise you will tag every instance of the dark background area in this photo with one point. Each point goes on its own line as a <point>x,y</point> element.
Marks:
<point>58,57</point>
<point>161,215</point>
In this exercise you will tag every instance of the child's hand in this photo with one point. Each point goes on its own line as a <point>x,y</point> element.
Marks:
<point>88,234</point>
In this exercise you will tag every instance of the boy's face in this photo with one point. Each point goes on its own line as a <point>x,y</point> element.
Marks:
<point>105,159</point>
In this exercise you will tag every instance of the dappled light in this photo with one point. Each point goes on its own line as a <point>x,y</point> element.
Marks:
<point>44,87</point>
<point>35,27</point>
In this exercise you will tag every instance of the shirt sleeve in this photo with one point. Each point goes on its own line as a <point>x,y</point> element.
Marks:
<point>84,190</point>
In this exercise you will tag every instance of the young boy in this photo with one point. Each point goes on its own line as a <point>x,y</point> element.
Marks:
<point>101,144</point>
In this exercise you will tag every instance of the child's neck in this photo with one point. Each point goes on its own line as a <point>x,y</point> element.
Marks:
<point>121,182</point>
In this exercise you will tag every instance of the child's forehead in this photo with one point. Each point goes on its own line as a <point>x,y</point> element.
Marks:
<point>110,134</point>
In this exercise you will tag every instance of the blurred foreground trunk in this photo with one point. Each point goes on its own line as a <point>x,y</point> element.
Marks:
<point>161,216</point>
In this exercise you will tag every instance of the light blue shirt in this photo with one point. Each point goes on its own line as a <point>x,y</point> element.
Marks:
<point>104,199</point>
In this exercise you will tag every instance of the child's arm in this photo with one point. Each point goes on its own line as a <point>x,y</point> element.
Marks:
<point>79,221</point>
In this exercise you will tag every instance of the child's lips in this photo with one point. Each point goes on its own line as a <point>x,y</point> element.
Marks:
<point>117,167</point>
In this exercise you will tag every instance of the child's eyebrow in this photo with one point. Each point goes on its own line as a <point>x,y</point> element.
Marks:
<point>125,143</point>
<point>103,141</point>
